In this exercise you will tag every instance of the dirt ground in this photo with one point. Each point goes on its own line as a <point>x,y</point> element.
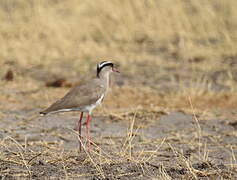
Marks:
<point>159,130</point>
<point>135,145</point>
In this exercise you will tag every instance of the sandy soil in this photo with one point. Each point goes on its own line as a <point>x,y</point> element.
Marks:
<point>164,144</point>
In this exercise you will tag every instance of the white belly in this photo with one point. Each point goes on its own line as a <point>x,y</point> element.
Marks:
<point>92,106</point>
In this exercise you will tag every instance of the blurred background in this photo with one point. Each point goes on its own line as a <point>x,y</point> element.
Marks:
<point>167,49</point>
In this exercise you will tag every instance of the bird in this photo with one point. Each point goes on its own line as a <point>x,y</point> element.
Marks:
<point>85,97</point>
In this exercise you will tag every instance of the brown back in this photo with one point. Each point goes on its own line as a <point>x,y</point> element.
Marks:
<point>80,96</point>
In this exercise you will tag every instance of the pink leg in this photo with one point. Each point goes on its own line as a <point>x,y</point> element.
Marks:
<point>79,130</point>
<point>88,129</point>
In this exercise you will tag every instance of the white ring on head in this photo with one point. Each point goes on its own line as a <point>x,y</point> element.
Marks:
<point>103,63</point>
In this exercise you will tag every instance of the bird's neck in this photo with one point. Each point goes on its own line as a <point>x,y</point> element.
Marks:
<point>104,76</point>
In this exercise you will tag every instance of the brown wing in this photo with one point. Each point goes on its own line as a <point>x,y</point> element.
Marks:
<point>78,97</point>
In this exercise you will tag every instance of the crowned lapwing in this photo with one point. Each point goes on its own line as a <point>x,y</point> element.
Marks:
<point>85,97</point>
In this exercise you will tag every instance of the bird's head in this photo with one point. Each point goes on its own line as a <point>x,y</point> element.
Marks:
<point>105,66</point>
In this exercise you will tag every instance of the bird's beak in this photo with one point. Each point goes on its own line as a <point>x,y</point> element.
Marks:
<point>115,70</point>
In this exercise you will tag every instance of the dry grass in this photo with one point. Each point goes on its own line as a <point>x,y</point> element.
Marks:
<point>187,46</point>
<point>129,158</point>
<point>42,32</point>
<point>174,56</point>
